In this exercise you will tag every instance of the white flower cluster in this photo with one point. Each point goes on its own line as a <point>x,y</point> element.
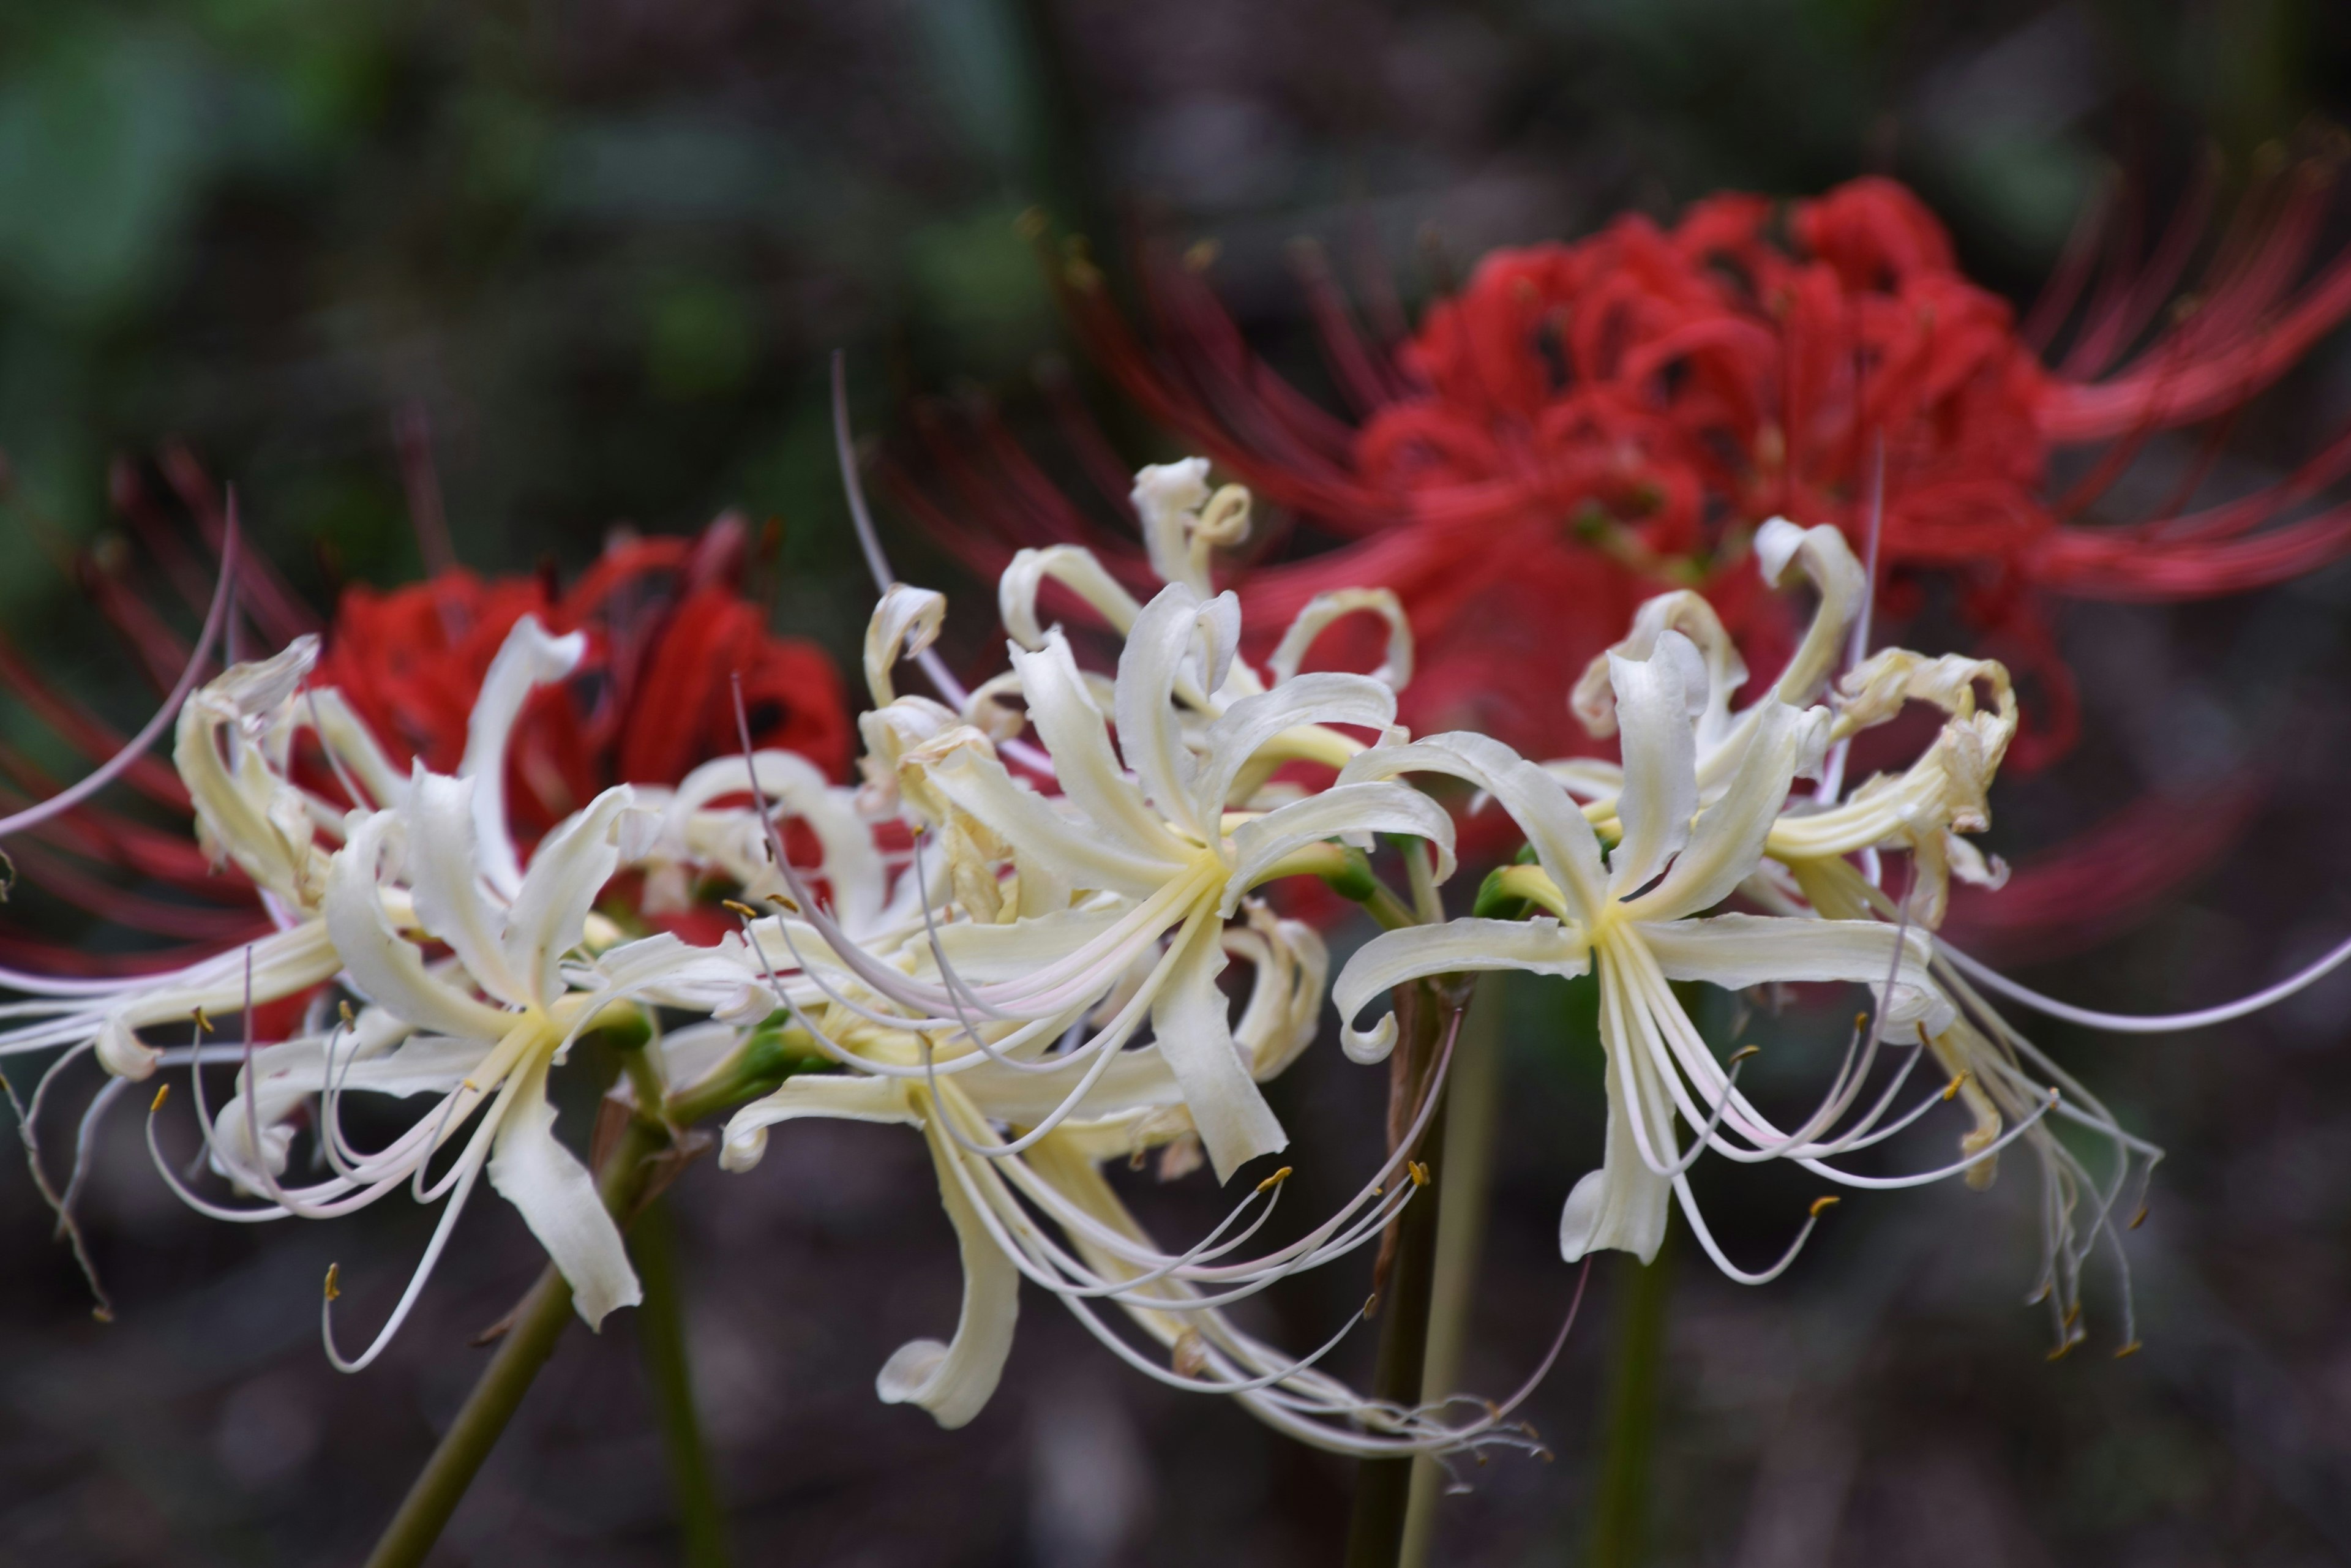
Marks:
<point>1014,935</point>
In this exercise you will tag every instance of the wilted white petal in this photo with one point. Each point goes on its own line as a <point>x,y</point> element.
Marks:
<point>904,624</point>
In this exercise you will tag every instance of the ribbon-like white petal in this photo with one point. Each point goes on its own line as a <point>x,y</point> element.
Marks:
<point>1540,946</point>
<point>1196,1036</point>
<point>528,660</point>
<point>559,1201</point>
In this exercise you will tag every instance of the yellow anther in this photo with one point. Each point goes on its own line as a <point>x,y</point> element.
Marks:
<point>1419,1172</point>
<point>202,1022</point>
<point>1189,1354</point>
<point>2131,1349</point>
<point>334,1280</point>
<point>1378,1191</point>
<point>1826,1202</point>
<point>1958,1079</point>
<point>2137,1220</point>
<point>786,905</point>
<point>737,906</point>
<point>162,1092</point>
<point>1371,1305</point>
<point>1275,1180</point>
<point>469,1083</point>
<point>1741,1054</point>
<point>2062,1350</point>
<point>2038,1296</point>
<point>2073,1313</point>
<point>1860,1021</point>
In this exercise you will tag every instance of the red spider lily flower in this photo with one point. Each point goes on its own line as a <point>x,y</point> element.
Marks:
<point>668,628</point>
<point>1586,424</point>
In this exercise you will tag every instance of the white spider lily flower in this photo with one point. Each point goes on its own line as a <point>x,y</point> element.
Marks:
<point>1924,811</point>
<point>478,1030</point>
<point>1160,842</point>
<point>1631,916</point>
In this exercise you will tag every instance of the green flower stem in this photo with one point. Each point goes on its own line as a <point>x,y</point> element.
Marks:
<point>1384,1487</point>
<point>539,1322</point>
<point>1620,1506</point>
<point>647,1149</point>
<point>660,1334</point>
<point>1474,1097</point>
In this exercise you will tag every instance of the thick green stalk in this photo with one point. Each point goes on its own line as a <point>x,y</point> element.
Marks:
<point>660,1334</point>
<point>1384,1487</point>
<point>537,1323</point>
<point>1474,1097</point>
<point>1620,1504</point>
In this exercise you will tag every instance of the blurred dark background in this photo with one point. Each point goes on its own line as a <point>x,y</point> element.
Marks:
<point>604,249</point>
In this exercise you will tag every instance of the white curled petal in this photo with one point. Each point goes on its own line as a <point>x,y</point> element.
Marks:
<point>1075,567</point>
<point>1624,1204</point>
<point>904,624</point>
<point>1734,951</point>
<point>1326,608</point>
<point>1071,726</point>
<point>1343,808</point>
<point>953,1382</point>
<point>1555,826</point>
<point>1148,734</point>
<point>558,1200</point>
<point>350,738</point>
<point>1726,840</point>
<point>569,868</point>
<point>444,874</point>
<point>387,970</point>
<point>1322,698</point>
<point>1660,746</point>
<point>1842,585</point>
<point>1167,499</point>
<point>1072,850</point>
<point>528,660</point>
<point>1195,1037</point>
<point>989,953</point>
<point>838,1096</point>
<point>1541,947</point>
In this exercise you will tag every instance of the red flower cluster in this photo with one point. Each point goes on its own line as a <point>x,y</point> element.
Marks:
<point>1586,424</point>
<point>667,630</point>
